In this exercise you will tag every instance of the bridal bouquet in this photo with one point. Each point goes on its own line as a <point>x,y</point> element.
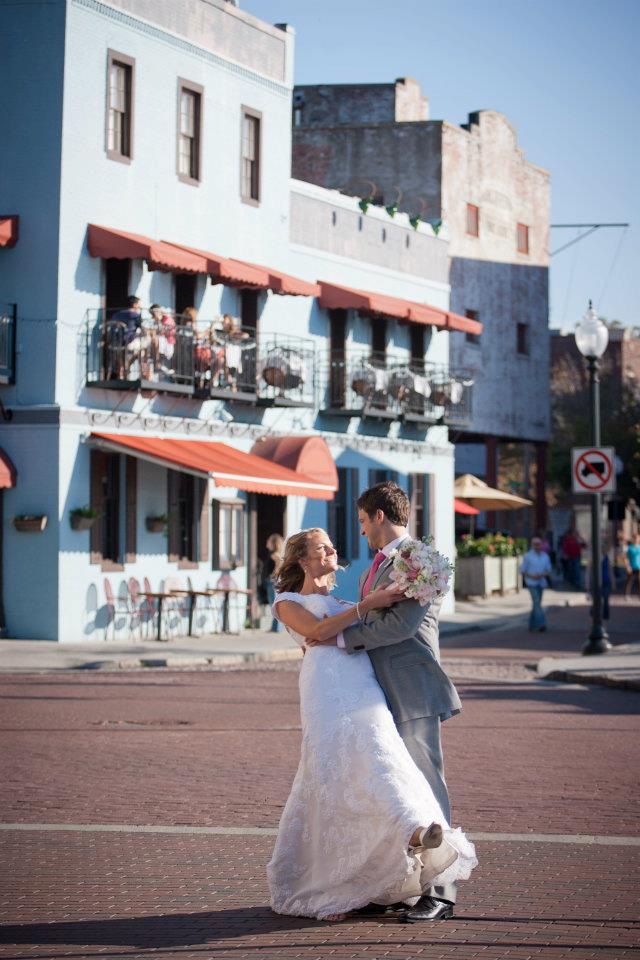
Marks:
<point>420,571</point>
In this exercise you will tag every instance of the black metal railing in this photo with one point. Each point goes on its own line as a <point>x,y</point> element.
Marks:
<point>209,358</point>
<point>8,322</point>
<point>286,370</point>
<point>139,353</point>
<point>362,383</point>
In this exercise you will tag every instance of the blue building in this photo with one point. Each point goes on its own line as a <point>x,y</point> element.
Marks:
<point>195,351</point>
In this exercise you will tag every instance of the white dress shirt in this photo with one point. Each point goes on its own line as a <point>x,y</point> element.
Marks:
<point>387,549</point>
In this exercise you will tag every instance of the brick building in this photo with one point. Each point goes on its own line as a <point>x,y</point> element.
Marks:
<point>473,182</point>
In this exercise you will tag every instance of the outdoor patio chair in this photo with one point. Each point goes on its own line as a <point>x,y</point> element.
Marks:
<point>119,608</point>
<point>175,609</point>
<point>141,604</point>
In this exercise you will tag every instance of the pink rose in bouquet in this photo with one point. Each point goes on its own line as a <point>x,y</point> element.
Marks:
<point>420,571</point>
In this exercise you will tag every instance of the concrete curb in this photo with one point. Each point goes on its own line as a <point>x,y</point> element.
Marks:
<point>220,660</point>
<point>595,679</point>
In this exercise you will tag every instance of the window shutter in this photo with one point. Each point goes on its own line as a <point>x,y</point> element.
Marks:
<point>353,493</point>
<point>173,487</point>
<point>131,519</point>
<point>203,546</point>
<point>98,469</point>
<point>215,534</point>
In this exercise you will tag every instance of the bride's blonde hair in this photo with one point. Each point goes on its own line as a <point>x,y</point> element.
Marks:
<point>291,575</point>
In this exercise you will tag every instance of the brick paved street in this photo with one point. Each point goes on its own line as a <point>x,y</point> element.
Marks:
<point>219,749</point>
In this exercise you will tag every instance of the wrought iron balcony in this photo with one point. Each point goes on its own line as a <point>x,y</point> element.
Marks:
<point>205,359</point>
<point>376,386</point>
<point>8,320</point>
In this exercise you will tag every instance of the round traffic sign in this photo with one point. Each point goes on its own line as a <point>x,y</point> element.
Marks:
<point>593,470</point>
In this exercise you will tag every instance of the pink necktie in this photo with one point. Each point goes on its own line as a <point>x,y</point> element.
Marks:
<point>379,558</point>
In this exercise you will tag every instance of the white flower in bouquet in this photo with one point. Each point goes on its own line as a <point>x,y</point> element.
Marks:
<point>420,571</point>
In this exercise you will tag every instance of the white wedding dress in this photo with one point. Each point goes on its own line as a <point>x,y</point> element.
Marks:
<point>357,796</point>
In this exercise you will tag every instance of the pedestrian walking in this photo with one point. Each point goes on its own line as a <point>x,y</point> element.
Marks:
<point>621,568</point>
<point>606,584</point>
<point>536,570</point>
<point>572,547</point>
<point>633,558</point>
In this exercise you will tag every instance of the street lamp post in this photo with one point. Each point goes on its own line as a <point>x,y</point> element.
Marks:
<point>592,337</point>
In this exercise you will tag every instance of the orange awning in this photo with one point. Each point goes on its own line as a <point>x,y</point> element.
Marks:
<point>233,273</point>
<point>306,456</point>
<point>285,284</point>
<point>333,296</point>
<point>8,473</point>
<point>106,242</point>
<point>225,465</point>
<point>459,506</point>
<point>9,230</point>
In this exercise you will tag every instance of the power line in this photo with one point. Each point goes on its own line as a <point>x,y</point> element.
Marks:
<point>589,228</point>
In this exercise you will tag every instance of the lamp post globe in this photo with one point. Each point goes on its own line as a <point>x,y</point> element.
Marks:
<point>592,335</point>
<point>592,338</point>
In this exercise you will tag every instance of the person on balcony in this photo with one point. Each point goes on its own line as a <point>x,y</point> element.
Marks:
<point>130,317</point>
<point>228,356</point>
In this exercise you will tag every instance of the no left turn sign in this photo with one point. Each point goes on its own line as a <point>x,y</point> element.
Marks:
<point>592,469</point>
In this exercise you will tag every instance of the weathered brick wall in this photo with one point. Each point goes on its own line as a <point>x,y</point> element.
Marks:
<point>334,104</point>
<point>398,160</point>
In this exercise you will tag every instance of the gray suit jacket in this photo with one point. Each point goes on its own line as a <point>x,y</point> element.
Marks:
<point>402,643</point>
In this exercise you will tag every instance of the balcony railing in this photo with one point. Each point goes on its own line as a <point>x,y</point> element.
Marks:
<point>365,384</point>
<point>204,359</point>
<point>8,320</point>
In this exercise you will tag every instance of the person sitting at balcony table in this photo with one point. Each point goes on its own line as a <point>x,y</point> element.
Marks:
<point>536,569</point>
<point>143,347</point>
<point>204,352</point>
<point>229,354</point>
<point>130,317</point>
<point>166,327</point>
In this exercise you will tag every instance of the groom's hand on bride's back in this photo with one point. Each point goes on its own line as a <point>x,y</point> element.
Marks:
<point>329,642</point>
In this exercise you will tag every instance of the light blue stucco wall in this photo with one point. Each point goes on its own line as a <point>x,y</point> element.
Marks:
<point>31,559</point>
<point>31,81</point>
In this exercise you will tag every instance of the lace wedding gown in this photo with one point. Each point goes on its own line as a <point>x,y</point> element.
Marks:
<point>357,796</point>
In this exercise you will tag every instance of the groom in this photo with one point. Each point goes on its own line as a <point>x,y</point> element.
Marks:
<point>402,642</point>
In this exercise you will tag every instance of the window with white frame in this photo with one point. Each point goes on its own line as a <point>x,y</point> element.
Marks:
<point>120,70</point>
<point>189,131</point>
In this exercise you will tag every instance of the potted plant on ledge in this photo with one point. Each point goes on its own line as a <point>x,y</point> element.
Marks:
<point>156,524</point>
<point>83,518</point>
<point>30,523</point>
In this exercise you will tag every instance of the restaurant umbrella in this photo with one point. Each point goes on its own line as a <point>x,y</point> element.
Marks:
<point>459,506</point>
<point>476,493</point>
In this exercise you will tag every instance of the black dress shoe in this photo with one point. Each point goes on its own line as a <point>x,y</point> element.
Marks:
<point>428,908</point>
<point>379,909</point>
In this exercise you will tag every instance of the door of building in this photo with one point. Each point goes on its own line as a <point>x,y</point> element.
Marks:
<point>117,274</point>
<point>268,514</point>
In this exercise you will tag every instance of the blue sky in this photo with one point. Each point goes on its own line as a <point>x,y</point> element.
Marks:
<point>563,71</point>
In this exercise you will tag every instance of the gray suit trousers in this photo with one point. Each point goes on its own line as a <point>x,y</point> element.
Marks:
<point>421,737</point>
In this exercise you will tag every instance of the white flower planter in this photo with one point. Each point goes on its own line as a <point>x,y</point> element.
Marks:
<point>482,576</point>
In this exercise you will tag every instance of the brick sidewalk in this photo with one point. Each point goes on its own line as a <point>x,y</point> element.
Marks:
<point>200,897</point>
<point>220,749</point>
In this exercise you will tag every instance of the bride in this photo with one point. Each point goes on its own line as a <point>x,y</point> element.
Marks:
<point>361,823</point>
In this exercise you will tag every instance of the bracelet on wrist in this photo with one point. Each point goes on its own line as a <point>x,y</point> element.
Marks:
<point>359,615</point>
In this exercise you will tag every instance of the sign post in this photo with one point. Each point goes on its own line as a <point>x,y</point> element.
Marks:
<point>593,472</point>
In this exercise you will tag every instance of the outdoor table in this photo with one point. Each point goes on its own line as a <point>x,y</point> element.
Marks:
<point>159,597</point>
<point>225,602</point>
<point>193,596</point>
